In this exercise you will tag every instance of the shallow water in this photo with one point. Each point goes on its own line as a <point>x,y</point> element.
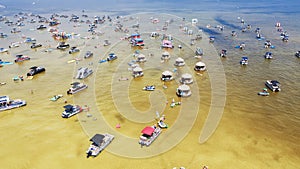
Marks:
<point>253,129</point>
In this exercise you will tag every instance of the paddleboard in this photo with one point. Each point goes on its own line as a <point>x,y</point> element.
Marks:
<point>71,61</point>
<point>6,63</point>
<point>263,93</point>
<point>101,61</point>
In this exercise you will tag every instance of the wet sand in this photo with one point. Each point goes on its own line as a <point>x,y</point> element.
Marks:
<point>36,136</point>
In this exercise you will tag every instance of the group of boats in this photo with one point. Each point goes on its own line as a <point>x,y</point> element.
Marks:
<point>272,85</point>
<point>150,133</point>
<point>35,70</point>
<point>136,40</point>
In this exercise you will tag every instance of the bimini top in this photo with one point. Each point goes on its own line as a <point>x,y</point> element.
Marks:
<point>97,139</point>
<point>274,82</point>
<point>167,42</point>
<point>184,87</point>
<point>167,73</point>
<point>141,56</point>
<point>148,130</point>
<point>33,67</point>
<point>4,99</point>
<point>200,64</point>
<point>245,58</point>
<point>137,69</point>
<point>135,35</point>
<point>68,107</point>
<point>179,59</point>
<point>186,76</point>
<point>75,83</point>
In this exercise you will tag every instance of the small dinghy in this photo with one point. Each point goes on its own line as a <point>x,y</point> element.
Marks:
<point>56,97</point>
<point>264,92</point>
<point>162,124</point>
<point>149,88</point>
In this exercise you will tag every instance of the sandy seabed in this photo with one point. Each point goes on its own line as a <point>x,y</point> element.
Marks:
<point>36,137</point>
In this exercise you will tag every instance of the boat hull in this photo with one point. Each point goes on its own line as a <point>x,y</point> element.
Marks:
<point>13,105</point>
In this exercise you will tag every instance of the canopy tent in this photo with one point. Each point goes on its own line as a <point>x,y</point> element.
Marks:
<point>200,64</point>
<point>179,60</point>
<point>148,130</point>
<point>184,88</point>
<point>167,73</point>
<point>137,69</point>
<point>97,139</point>
<point>186,76</point>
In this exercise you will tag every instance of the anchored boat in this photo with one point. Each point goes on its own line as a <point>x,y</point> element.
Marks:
<point>7,104</point>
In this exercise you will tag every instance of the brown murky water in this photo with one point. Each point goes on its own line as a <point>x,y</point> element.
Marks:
<point>254,132</point>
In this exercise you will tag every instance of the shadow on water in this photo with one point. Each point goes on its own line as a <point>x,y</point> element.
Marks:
<point>209,31</point>
<point>227,24</point>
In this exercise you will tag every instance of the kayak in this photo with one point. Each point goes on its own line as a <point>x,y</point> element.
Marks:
<point>5,63</point>
<point>71,61</point>
<point>263,93</point>
<point>101,61</point>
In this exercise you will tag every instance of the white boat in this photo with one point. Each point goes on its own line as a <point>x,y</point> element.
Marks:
<point>154,34</point>
<point>297,54</point>
<point>183,91</point>
<point>74,49</point>
<point>149,88</point>
<point>137,72</point>
<point>99,143</point>
<point>200,66</point>
<point>179,62</point>
<point>56,97</point>
<point>76,87</point>
<point>268,55</point>
<point>273,85</point>
<point>71,110</point>
<point>2,50</point>
<point>62,46</point>
<point>149,134</point>
<point>161,123</point>
<point>111,57</point>
<point>83,73</point>
<point>244,60</point>
<point>167,76</point>
<point>264,92</point>
<point>14,45</point>
<point>88,54</point>
<point>165,56</point>
<point>268,44</point>
<point>194,21</point>
<point>199,51</point>
<point>7,104</point>
<point>106,42</point>
<point>141,58</point>
<point>186,78</point>
<point>167,44</point>
<point>223,53</point>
